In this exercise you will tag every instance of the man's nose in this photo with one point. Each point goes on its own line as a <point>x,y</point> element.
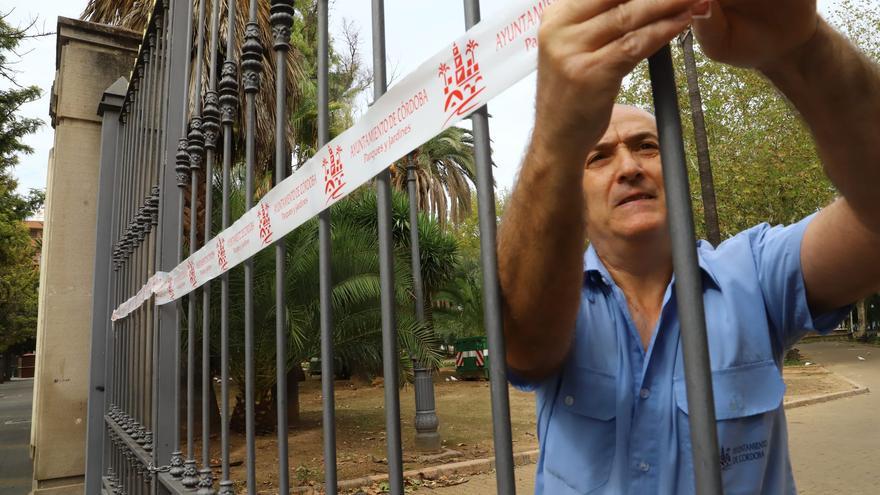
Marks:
<point>629,168</point>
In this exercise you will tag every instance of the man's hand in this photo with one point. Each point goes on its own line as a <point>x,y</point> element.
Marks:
<point>756,33</point>
<point>586,48</point>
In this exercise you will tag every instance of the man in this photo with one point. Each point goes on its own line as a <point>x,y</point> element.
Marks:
<point>597,335</point>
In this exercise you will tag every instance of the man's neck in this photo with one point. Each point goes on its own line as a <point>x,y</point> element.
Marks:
<point>642,270</point>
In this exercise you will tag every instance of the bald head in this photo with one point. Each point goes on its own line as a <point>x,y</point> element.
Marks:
<point>625,112</point>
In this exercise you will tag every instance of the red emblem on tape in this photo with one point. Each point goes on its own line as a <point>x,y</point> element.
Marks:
<point>191,271</point>
<point>334,174</point>
<point>265,224</point>
<point>221,254</point>
<point>464,84</point>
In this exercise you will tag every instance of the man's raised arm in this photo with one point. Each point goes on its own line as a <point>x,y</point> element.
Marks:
<point>586,48</point>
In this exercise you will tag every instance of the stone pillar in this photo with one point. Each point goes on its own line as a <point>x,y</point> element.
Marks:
<point>89,58</point>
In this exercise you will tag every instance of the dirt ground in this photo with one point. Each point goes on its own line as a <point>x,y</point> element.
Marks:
<point>807,381</point>
<point>465,417</point>
<point>465,426</point>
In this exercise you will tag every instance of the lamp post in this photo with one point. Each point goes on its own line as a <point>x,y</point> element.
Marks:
<point>426,422</point>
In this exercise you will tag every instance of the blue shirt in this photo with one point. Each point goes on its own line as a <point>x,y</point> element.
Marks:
<point>614,420</point>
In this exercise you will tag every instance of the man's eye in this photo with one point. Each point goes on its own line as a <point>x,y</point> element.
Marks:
<point>648,146</point>
<point>596,159</point>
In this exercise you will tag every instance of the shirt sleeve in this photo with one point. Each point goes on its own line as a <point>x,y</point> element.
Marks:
<point>777,255</point>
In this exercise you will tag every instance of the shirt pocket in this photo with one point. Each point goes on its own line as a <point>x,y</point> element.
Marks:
<point>581,436</point>
<point>746,399</point>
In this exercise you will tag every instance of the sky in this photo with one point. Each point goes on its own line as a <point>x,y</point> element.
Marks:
<point>414,29</point>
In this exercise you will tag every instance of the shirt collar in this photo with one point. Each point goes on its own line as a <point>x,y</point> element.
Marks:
<point>596,273</point>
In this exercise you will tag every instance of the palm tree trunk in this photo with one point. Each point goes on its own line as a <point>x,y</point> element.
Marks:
<point>707,184</point>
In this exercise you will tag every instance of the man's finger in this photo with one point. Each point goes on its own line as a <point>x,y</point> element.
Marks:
<point>627,51</point>
<point>714,28</point>
<point>627,17</point>
<point>567,12</point>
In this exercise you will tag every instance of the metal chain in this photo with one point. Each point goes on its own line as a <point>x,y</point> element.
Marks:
<point>160,469</point>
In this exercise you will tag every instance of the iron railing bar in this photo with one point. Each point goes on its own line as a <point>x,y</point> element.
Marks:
<point>281,19</point>
<point>110,337</point>
<point>119,287</point>
<point>251,66</point>
<point>132,158</point>
<point>181,169</point>
<point>126,120</point>
<point>126,398</point>
<point>325,273</point>
<point>386,276</point>
<point>158,96</point>
<point>169,249</point>
<point>195,148</point>
<point>228,107</point>
<point>138,266</point>
<point>688,282</point>
<point>501,430</point>
<point>155,50</point>
<point>211,125</point>
<point>163,101</point>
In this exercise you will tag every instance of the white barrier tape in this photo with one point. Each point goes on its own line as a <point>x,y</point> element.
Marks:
<point>142,296</point>
<point>486,60</point>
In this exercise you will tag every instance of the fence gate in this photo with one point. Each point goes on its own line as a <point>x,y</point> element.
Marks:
<point>163,136</point>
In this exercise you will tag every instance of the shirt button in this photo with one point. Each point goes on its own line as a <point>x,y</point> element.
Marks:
<point>569,400</point>
<point>644,467</point>
<point>644,393</point>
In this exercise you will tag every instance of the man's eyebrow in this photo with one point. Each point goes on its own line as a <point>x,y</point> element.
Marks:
<point>641,136</point>
<point>635,138</point>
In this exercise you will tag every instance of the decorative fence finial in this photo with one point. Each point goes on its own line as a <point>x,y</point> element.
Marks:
<point>228,92</point>
<point>251,58</point>
<point>282,19</point>
<point>211,119</point>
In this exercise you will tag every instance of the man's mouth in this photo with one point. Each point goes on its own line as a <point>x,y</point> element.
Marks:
<point>635,197</point>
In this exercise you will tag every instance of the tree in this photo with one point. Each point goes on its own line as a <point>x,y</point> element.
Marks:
<point>458,305</point>
<point>347,79</point>
<point>765,165</point>
<point>445,173</point>
<point>19,276</point>
<point>134,15</point>
<point>701,140</point>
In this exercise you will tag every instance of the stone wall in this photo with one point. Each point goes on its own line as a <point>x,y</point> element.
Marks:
<point>89,58</point>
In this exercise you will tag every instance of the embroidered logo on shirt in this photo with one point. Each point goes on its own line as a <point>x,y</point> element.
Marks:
<point>731,456</point>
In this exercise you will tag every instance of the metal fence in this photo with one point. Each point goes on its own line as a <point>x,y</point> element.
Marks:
<point>161,138</point>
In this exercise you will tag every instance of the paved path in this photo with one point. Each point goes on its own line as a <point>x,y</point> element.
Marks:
<point>834,445</point>
<point>16,470</point>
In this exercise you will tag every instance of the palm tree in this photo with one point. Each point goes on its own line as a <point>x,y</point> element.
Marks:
<point>445,173</point>
<point>134,15</point>
<point>707,183</point>
<point>355,296</point>
<point>458,305</point>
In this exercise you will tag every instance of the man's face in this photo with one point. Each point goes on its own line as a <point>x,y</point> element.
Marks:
<point>623,180</point>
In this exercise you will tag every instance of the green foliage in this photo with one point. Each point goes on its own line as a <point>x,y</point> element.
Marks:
<point>18,274</point>
<point>458,305</point>
<point>763,157</point>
